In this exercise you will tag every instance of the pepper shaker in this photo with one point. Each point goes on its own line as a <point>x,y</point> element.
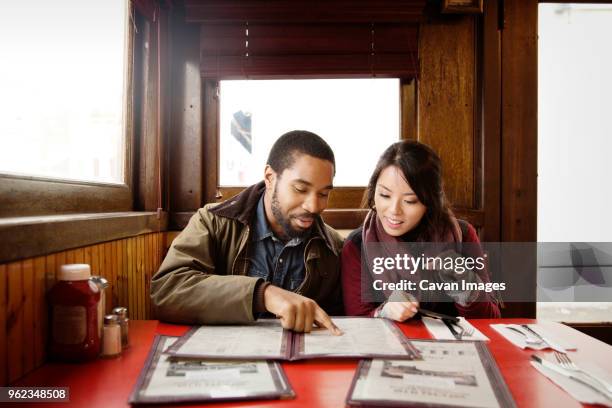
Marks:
<point>121,313</point>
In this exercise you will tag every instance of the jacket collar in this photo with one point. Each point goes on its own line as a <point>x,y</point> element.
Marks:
<point>243,208</point>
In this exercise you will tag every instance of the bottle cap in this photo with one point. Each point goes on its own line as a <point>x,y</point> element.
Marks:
<point>74,272</point>
<point>120,311</point>
<point>111,319</point>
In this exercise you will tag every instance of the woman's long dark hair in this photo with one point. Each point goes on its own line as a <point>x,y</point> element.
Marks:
<point>422,169</point>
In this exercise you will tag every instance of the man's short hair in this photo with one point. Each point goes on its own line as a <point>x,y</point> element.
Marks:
<point>288,146</point>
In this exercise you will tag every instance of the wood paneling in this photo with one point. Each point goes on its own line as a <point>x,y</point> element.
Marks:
<point>446,100</point>
<point>185,152</point>
<point>304,11</point>
<point>128,265</point>
<point>491,121</point>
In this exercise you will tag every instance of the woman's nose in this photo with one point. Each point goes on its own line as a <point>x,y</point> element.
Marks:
<point>396,207</point>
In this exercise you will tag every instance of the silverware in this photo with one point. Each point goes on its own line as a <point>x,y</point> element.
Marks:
<point>528,337</point>
<point>568,374</point>
<point>451,326</point>
<point>467,330</point>
<point>553,345</point>
<point>437,315</point>
<point>565,362</point>
<point>452,329</point>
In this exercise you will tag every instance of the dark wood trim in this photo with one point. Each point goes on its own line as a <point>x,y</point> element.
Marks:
<point>29,196</point>
<point>490,120</point>
<point>27,237</point>
<point>460,7</point>
<point>339,218</point>
<point>178,220</point>
<point>210,140</point>
<point>366,11</point>
<point>340,197</point>
<point>344,218</point>
<point>577,1</point>
<point>600,331</point>
<point>519,138</point>
<point>409,106</point>
<point>185,151</point>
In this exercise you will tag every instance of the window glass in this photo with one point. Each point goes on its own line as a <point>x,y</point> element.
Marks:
<point>62,89</point>
<point>359,118</point>
<point>574,137</point>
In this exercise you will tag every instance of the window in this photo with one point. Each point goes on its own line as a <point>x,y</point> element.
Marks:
<point>62,105</point>
<point>574,128</point>
<point>359,118</point>
<point>62,92</point>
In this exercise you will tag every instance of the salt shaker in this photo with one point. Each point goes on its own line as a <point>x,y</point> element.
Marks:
<point>111,340</point>
<point>121,313</point>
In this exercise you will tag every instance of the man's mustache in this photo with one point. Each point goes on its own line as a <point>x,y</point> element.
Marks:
<point>309,216</point>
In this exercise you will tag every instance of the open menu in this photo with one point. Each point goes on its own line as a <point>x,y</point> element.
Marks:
<point>266,339</point>
<point>165,379</point>
<point>450,374</point>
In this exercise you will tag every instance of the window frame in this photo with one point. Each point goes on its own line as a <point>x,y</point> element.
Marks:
<point>344,209</point>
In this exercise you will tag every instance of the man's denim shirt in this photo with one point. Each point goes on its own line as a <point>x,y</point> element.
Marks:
<point>280,263</point>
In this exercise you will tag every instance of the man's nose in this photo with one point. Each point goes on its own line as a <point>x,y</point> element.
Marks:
<point>312,204</point>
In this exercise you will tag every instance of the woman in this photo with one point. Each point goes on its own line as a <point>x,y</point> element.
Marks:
<point>407,205</point>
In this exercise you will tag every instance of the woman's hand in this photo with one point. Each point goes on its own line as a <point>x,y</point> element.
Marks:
<point>399,311</point>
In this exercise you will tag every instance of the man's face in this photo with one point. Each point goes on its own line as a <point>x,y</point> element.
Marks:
<point>297,195</point>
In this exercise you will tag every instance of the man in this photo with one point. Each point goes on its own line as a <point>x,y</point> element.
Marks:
<point>265,250</point>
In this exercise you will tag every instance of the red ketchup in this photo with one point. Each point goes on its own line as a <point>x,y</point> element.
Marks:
<point>73,302</point>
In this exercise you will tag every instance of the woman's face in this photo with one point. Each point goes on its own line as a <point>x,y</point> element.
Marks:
<point>397,206</point>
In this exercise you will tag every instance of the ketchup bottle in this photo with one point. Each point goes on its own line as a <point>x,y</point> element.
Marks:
<point>73,302</point>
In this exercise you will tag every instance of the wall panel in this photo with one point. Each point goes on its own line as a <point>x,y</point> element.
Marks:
<point>128,265</point>
<point>447,100</point>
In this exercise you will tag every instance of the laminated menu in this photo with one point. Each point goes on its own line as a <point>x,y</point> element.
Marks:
<point>266,339</point>
<point>169,379</point>
<point>450,374</point>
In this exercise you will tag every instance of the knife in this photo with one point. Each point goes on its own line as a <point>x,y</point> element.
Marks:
<point>440,316</point>
<point>565,373</point>
<point>450,326</point>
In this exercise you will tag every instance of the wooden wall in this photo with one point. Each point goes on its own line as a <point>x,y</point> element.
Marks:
<point>127,264</point>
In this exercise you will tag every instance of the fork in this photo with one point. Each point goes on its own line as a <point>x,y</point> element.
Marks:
<point>565,362</point>
<point>467,330</point>
<point>528,338</point>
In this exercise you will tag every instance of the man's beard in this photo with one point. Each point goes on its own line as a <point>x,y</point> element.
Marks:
<point>285,222</point>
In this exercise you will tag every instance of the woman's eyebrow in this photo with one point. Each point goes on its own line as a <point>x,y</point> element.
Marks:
<point>388,189</point>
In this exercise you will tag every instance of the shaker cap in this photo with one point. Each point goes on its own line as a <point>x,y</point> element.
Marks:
<point>74,272</point>
<point>111,319</point>
<point>120,311</point>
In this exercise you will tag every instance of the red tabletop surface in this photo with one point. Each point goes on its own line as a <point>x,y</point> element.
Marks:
<point>317,383</point>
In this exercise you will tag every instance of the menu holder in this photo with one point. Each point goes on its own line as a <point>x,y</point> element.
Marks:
<point>266,339</point>
<point>168,379</point>
<point>450,374</point>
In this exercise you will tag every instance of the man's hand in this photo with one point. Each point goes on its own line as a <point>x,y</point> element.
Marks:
<point>399,311</point>
<point>297,312</point>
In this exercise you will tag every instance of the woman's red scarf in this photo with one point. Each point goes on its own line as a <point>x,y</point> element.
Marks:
<point>390,246</point>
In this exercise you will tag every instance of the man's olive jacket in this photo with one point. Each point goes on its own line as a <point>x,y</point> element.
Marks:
<point>203,278</point>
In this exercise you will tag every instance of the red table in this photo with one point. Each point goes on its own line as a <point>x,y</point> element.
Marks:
<point>317,383</point>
